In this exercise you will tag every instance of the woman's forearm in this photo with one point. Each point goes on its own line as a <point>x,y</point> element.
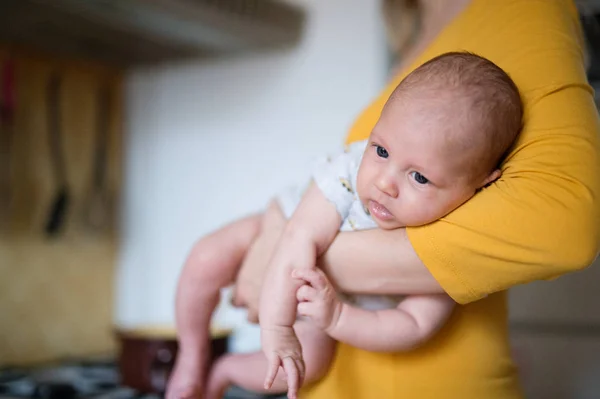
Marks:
<point>377,262</point>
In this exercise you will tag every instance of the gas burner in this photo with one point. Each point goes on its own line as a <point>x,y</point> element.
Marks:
<point>81,380</point>
<point>69,380</point>
<point>11,374</point>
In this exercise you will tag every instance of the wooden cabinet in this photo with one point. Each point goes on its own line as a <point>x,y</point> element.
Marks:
<point>56,293</point>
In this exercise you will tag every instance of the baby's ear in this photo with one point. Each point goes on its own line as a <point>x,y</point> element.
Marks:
<point>492,177</point>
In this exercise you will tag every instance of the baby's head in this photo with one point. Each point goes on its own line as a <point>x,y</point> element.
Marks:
<point>440,138</point>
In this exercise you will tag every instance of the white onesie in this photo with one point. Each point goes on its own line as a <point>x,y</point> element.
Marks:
<point>336,178</point>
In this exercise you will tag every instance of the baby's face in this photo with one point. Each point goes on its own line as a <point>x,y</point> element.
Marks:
<point>411,173</point>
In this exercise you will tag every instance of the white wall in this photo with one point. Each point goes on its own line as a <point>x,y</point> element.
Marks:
<point>210,141</point>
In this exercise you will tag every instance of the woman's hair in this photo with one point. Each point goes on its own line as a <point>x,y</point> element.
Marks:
<point>401,19</point>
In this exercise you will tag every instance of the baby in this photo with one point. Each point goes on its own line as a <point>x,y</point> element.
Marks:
<point>439,139</point>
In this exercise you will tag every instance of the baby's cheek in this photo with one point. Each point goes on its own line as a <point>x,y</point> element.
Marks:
<point>360,180</point>
<point>417,211</point>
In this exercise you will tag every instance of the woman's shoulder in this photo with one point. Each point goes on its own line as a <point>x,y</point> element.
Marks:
<point>538,43</point>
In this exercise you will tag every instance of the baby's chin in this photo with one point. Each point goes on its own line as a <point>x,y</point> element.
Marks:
<point>389,224</point>
<point>398,223</point>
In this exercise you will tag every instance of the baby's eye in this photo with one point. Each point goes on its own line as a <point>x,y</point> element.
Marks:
<point>419,178</point>
<point>382,152</point>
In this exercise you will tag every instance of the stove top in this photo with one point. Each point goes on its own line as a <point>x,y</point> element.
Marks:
<point>69,380</point>
<point>90,379</point>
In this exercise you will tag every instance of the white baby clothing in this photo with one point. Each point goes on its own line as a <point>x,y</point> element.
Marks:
<point>336,178</point>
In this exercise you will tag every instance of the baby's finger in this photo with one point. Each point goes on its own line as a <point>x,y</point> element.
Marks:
<point>301,371</point>
<point>273,365</point>
<point>306,293</point>
<point>293,377</point>
<point>306,309</point>
<point>314,277</point>
<point>235,300</point>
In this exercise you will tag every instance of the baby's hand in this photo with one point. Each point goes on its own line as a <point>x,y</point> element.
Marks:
<point>317,299</point>
<point>282,349</point>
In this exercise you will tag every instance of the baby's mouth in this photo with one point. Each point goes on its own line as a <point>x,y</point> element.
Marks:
<point>379,211</point>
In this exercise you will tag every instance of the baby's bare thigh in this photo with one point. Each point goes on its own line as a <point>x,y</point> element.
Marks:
<point>318,349</point>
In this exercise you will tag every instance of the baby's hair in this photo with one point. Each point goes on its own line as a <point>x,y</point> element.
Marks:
<point>494,103</point>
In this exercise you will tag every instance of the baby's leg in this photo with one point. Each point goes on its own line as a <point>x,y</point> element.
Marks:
<point>248,370</point>
<point>212,264</point>
<point>318,350</point>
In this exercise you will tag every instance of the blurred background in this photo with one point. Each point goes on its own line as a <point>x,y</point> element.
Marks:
<point>130,128</point>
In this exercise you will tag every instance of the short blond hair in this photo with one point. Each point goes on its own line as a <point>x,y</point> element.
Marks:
<point>494,102</point>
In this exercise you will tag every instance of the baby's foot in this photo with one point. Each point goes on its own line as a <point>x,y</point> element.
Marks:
<point>218,380</point>
<point>185,383</point>
<point>189,393</point>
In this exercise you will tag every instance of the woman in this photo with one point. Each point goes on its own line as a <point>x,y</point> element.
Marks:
<point>539,221</point>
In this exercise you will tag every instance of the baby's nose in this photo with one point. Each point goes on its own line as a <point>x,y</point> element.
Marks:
<point>388,185</point>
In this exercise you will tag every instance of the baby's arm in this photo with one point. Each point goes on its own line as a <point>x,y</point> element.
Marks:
<point>309,232</point>
<point>311,229</point>
<point>416,319</point>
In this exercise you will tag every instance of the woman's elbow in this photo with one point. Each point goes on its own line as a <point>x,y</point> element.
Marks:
<point>580,241</point>
<point>581,255</point>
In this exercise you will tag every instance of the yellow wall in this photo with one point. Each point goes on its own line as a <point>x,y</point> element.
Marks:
<point>56,295</point>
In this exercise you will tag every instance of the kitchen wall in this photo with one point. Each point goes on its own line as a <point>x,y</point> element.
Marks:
<point>556,335</point>
<point>211,141</point>
<point>56,293</point>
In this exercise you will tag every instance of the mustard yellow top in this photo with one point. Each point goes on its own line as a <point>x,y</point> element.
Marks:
<point>540,220</point>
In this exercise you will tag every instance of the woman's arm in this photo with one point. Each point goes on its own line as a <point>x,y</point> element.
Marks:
<point>539,221</point>
<point>377,262</point>
<point>542,218</point>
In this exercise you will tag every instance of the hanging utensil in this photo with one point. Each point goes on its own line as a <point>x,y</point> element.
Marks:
<point>58,210</point>
<point>7,118</point>
<point>97,210</point>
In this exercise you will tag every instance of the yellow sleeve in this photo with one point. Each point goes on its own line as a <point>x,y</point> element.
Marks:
<point>542,218</point>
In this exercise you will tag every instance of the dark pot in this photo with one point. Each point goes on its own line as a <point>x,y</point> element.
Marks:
<point>147,356</point>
